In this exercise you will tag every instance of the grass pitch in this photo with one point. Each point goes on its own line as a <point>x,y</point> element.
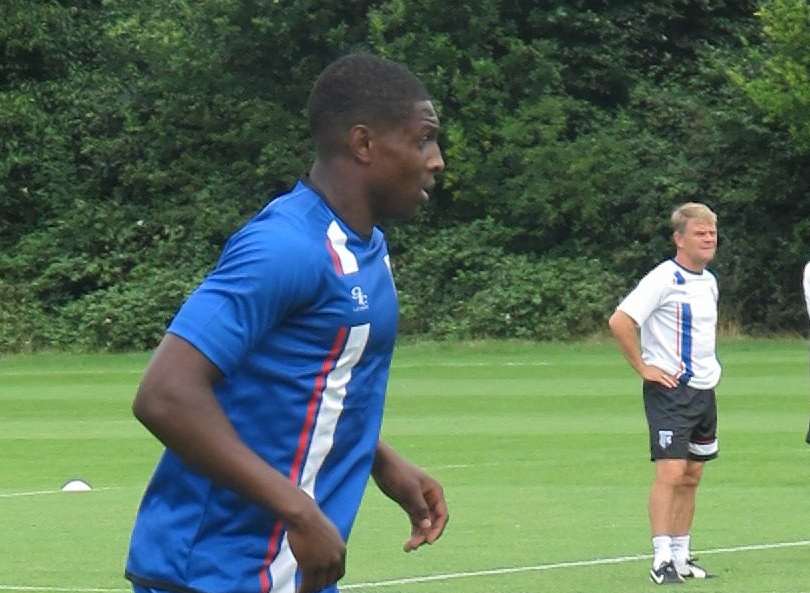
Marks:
<point>541,448</point>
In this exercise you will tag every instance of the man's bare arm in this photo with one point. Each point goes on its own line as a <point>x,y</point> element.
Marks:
<point>625,331</point>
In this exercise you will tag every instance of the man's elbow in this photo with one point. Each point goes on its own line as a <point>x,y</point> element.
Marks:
<point>151,406</point>
<point>615,321</point>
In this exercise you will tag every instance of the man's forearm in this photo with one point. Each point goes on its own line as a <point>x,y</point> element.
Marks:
<point>624,331</point>
<point>384,456</point>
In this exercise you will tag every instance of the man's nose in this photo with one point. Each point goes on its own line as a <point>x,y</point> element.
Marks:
<point>435,161</point>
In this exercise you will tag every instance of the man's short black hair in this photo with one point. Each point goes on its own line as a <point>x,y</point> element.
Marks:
<point>360,88</point>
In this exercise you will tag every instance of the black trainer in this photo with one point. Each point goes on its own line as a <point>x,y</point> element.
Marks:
<point>665,574</point>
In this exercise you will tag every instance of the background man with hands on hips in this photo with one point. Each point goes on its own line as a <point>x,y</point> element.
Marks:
<point>675,307</point>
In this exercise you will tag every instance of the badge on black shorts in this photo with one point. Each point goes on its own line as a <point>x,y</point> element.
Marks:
<point>664,438</point>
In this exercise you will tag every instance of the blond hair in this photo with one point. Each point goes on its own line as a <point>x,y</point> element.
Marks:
<point>691,210</point>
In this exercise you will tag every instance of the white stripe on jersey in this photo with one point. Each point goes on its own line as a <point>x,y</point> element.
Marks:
<point>283,568</point>
<point>332,405</point>
<point>282,571</point>
<point>337,238</point>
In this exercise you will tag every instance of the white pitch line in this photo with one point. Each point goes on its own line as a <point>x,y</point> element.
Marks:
<point>63,589</point>
<point>542,567</point>
<point>467,465</point>
<point>395,365</point>
<point>71,372</point>
<point>451,364</point>
<point>455,466</point>
<point>461,575</point>
<point>43,492</point>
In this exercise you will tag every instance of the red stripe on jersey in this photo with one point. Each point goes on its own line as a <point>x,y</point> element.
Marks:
<point>272,550</point>
<point>303,442</point>
<point>314,400</point>
<point>335,258</point>
<point>678,330</point>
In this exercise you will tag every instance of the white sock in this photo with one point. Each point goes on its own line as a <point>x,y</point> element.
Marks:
<point>662,550</point>
<point>680,549</point>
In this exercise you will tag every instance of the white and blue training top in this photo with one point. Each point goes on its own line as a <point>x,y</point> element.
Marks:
<point>676,309</point>
<point>300,316</point>
<point>806,286</point>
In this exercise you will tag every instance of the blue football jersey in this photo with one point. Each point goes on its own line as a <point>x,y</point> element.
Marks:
<point>300,315</point>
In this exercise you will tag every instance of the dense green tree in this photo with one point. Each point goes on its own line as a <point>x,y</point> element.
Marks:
<point>776,74</point>
<point>135,136</point>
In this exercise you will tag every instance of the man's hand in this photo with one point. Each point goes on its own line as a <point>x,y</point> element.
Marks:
<point>426,509</point>
<point>317,546</point>
<point>656,375</point>
<point>421,496</point>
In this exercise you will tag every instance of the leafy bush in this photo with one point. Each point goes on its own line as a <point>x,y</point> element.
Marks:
<point>462,283</point>
<point>22,320</point>
<point>135,136</point>
<point>131,315</point>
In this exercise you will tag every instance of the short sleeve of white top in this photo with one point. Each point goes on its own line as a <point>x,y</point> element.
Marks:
<point>677,312</point>
<point>806,286</point>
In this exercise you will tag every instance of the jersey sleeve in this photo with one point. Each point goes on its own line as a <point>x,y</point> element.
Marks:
<point>259,280</point>
<point>644,298</point>
<point>806,287</point>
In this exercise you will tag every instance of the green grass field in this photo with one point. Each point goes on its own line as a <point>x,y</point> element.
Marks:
<point>542,450</point>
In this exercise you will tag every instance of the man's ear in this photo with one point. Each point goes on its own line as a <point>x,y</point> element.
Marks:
<point>360,143</point>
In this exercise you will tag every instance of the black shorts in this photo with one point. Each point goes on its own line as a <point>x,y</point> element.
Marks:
<point>682,421</point>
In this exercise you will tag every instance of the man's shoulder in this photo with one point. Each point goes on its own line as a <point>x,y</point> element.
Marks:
<point>299,208</point>
<point>295,218</point>
<point>671,273</point>
<point>665,273</point>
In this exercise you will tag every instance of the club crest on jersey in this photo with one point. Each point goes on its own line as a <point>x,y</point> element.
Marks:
<point>360,299</point>
<point>664,438</point>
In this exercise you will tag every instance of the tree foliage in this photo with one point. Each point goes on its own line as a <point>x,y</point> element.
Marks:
<point>776,73</point>
<point>136,136</point>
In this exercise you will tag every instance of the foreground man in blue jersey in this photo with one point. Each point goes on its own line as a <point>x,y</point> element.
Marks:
<point>268,388</point>
<point>675,305</point>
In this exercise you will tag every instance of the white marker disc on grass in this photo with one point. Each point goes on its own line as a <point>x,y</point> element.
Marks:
<point>76,486</point>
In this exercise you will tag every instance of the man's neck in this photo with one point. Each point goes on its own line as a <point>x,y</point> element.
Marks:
<point>344,193</point>
<point>685,262</point>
